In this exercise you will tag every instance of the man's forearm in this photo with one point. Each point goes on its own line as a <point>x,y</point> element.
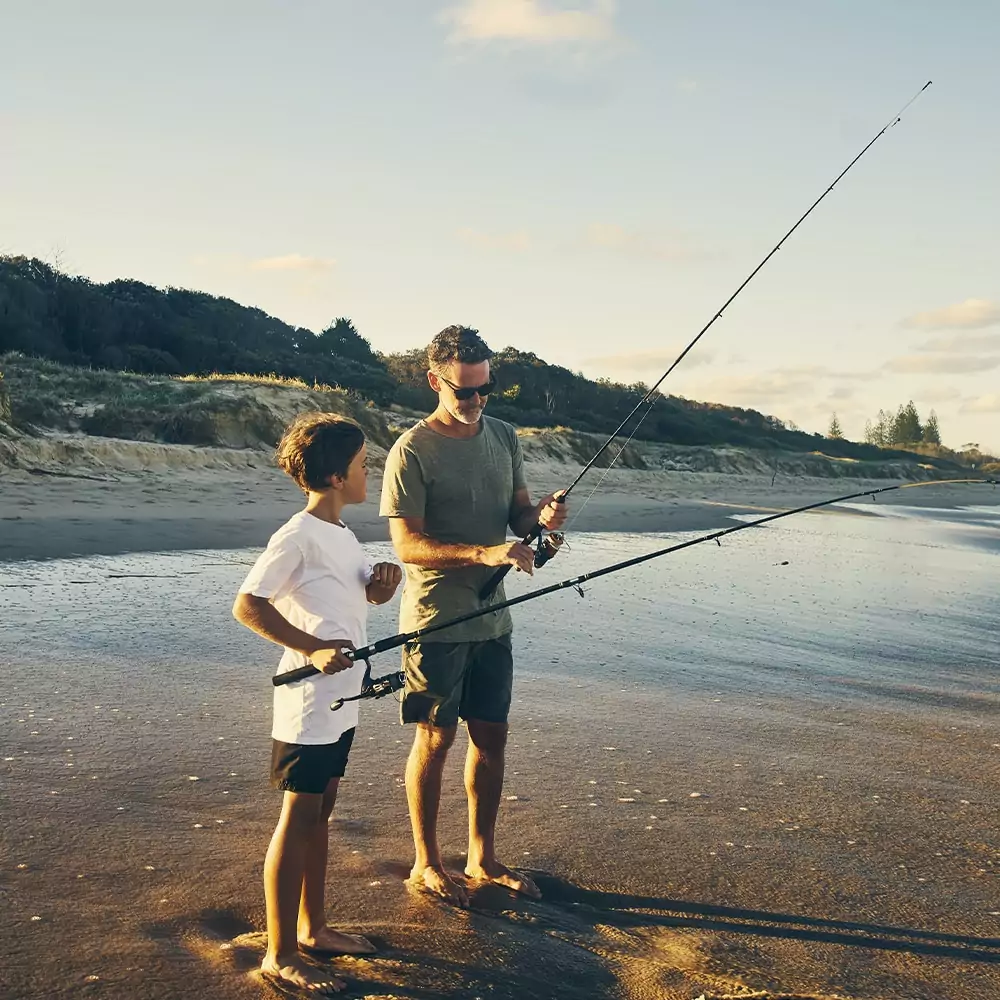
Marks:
<point>430,553</point>
<point>523,521</point>
<point>261,616</point>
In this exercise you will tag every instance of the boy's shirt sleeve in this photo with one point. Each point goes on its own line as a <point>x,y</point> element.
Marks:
<point>275,568</point>
<point>404,492</point>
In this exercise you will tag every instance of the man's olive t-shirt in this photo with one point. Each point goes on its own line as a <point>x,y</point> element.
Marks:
<point>463,488</point>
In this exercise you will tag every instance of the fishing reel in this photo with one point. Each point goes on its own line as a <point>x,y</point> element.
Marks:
<point>548,545</point>
<point>377,688</point>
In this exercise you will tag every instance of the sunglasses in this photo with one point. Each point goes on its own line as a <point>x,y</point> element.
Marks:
<point>468,391</point>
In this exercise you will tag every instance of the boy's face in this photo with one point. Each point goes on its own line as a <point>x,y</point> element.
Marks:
<point>355,483</point>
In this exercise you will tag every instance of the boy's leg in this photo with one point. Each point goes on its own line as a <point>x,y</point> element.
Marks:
<point>434,675</point>
<point>284,868</point>
<point>314,935</point>
<point>485,706</point>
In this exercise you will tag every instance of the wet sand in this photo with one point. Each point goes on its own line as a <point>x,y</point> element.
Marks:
<point>766,770</point>
<point>44,516</point>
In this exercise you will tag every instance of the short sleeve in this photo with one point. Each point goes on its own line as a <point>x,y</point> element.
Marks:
<point>274,568</point>
<point>517,460</point>
<point>404,492</point>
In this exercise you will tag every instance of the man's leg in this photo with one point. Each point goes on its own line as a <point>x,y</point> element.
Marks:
<point>484,768</point>
<point>314,935</point>
<point>424,771</point>
<point>485,705</point>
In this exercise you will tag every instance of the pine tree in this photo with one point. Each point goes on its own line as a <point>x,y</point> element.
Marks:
<point>834,430</point>
<point>906,427</point>
<point>932,433</point>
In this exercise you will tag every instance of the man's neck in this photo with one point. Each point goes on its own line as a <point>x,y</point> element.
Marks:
<point>326,505</point>
<point>444,423</point>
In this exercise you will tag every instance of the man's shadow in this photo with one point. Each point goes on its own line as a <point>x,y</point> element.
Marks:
<point>629,911</point>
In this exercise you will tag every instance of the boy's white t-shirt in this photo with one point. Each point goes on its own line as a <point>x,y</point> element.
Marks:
<point>315,573</point>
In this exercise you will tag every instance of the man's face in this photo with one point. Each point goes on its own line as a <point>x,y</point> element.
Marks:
<point>458,375</point>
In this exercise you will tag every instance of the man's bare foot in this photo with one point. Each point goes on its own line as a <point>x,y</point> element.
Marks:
<point>300,975</point>
<point>327,941</point>
<point>493,871</point>
<point>440,883</point>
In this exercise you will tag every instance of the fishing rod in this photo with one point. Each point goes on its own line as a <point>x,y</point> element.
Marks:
<point>394,641</point>
<point>650,396</point>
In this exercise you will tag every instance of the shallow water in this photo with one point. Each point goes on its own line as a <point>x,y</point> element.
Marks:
<point>801,723</point>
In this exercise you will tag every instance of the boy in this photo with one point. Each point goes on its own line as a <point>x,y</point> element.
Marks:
<point>308,592</point>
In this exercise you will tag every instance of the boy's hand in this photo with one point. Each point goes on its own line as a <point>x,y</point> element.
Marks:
<point>387,576</point>
<point>330,659</point>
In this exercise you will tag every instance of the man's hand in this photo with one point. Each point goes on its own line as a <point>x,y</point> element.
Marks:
<point>515,554</point>
<point>330,659</point>
<point>551,513</point>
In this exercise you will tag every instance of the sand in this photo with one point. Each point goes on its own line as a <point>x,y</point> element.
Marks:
<point>765,841</point>
<point>102,511</point>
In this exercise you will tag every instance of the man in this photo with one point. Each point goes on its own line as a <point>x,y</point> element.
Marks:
<point>453,485</point>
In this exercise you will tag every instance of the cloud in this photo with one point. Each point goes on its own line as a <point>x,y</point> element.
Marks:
<point>618,239</point>
<point>292,262</point>
<point>962,342</point>
<point>514,242</point>
<point>936,364</point>
<point>687,86</point>
<point>758,389</point>
<point>531,22</point>
<point>969,315</point>
<point>649,364</point>
<point>989,403</point>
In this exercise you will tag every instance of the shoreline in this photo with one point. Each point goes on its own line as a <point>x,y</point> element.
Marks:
<point>46,517</point>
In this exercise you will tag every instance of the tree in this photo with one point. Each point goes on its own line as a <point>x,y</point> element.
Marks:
<point>880,432</point>
<point>906,427</point>
<point>932,433</point>
<point>834,430</point>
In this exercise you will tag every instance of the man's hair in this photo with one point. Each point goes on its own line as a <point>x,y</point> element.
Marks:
<point>457,343</point>
<point>316,446</point>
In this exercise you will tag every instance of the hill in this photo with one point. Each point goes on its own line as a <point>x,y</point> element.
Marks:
<point>180,348</point>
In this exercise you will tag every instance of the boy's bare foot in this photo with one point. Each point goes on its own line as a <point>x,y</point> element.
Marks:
<point>301,975</point>
<point>327,941</point>
<point>440,883</point>
<point>493,871</point>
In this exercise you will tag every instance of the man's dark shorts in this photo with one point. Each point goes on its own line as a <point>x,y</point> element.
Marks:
<point>446,681</point>
<point>305,768</point>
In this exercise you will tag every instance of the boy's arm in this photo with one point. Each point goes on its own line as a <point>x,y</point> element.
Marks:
<point>413,545</point>
<point>261,616</point>
<point>385,579</point>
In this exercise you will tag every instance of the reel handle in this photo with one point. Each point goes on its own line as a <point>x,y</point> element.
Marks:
<point>496,579</point>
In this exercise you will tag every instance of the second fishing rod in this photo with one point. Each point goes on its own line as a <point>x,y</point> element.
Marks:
<point>386,684</point>
<point>650,396</point>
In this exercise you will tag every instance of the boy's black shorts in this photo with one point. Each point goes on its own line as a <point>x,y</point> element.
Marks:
<point>305,768</point>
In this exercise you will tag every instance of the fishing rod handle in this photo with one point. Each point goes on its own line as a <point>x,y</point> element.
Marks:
<point>496,579</point>
<point>489,589</point>
<point>301,673</point>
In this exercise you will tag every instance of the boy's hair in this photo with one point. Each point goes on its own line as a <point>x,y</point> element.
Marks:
<point>457,343</point>
<point>316,446</point>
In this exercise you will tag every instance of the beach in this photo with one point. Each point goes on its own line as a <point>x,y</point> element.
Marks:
<point>769,769</point>
<point>65,509</point>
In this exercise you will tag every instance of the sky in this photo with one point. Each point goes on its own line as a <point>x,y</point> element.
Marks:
<point>589,180</point>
